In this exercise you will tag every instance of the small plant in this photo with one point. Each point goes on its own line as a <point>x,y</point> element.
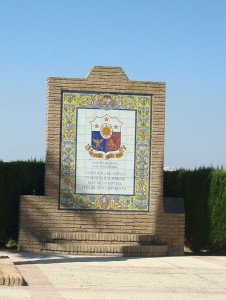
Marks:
<point>12,244</point>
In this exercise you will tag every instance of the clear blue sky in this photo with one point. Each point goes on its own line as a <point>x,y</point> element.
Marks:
<point>180,42</point>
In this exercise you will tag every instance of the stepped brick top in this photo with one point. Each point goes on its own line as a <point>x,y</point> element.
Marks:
<point>106,73</point>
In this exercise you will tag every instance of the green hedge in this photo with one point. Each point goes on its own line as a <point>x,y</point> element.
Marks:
<point>204,193</point>
<point>17,178</point>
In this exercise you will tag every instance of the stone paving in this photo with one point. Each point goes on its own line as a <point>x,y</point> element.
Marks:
<point>97,278</point>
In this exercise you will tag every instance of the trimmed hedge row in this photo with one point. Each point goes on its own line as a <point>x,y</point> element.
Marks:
<point>17,178</point>
<point>203,190</point>
<point>204,193</point>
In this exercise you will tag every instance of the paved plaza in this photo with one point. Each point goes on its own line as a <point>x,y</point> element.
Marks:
<point>80,277</point>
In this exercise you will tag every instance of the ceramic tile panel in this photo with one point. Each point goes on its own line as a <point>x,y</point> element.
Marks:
<point>105,151</point>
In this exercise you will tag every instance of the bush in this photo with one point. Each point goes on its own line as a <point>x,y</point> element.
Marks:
<point>204,195</point>
<point>203,190</point>
<point>217,211</point>
<point>17,178</point>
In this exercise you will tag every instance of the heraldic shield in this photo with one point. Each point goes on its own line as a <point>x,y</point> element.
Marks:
<point>106,134</point>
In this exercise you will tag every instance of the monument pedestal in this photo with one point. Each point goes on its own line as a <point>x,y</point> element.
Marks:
<point>104,171</point>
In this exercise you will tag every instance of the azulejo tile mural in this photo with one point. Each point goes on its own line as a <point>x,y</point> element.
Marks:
<point>105,151</point>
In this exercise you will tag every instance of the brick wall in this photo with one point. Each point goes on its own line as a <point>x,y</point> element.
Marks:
<point>39,216</point>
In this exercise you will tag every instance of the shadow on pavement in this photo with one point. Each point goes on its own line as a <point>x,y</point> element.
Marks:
<point>41,259</point>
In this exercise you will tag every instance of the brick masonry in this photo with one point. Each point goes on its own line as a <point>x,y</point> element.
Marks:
<point>40,217</point>
<point>9,274</point>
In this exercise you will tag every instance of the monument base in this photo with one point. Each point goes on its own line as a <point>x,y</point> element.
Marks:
<point>44,228</point>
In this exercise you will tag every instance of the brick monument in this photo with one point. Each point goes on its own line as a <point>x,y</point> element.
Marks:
<point>104,171</point>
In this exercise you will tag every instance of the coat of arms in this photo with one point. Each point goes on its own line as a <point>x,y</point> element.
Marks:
<point>106,138</point>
